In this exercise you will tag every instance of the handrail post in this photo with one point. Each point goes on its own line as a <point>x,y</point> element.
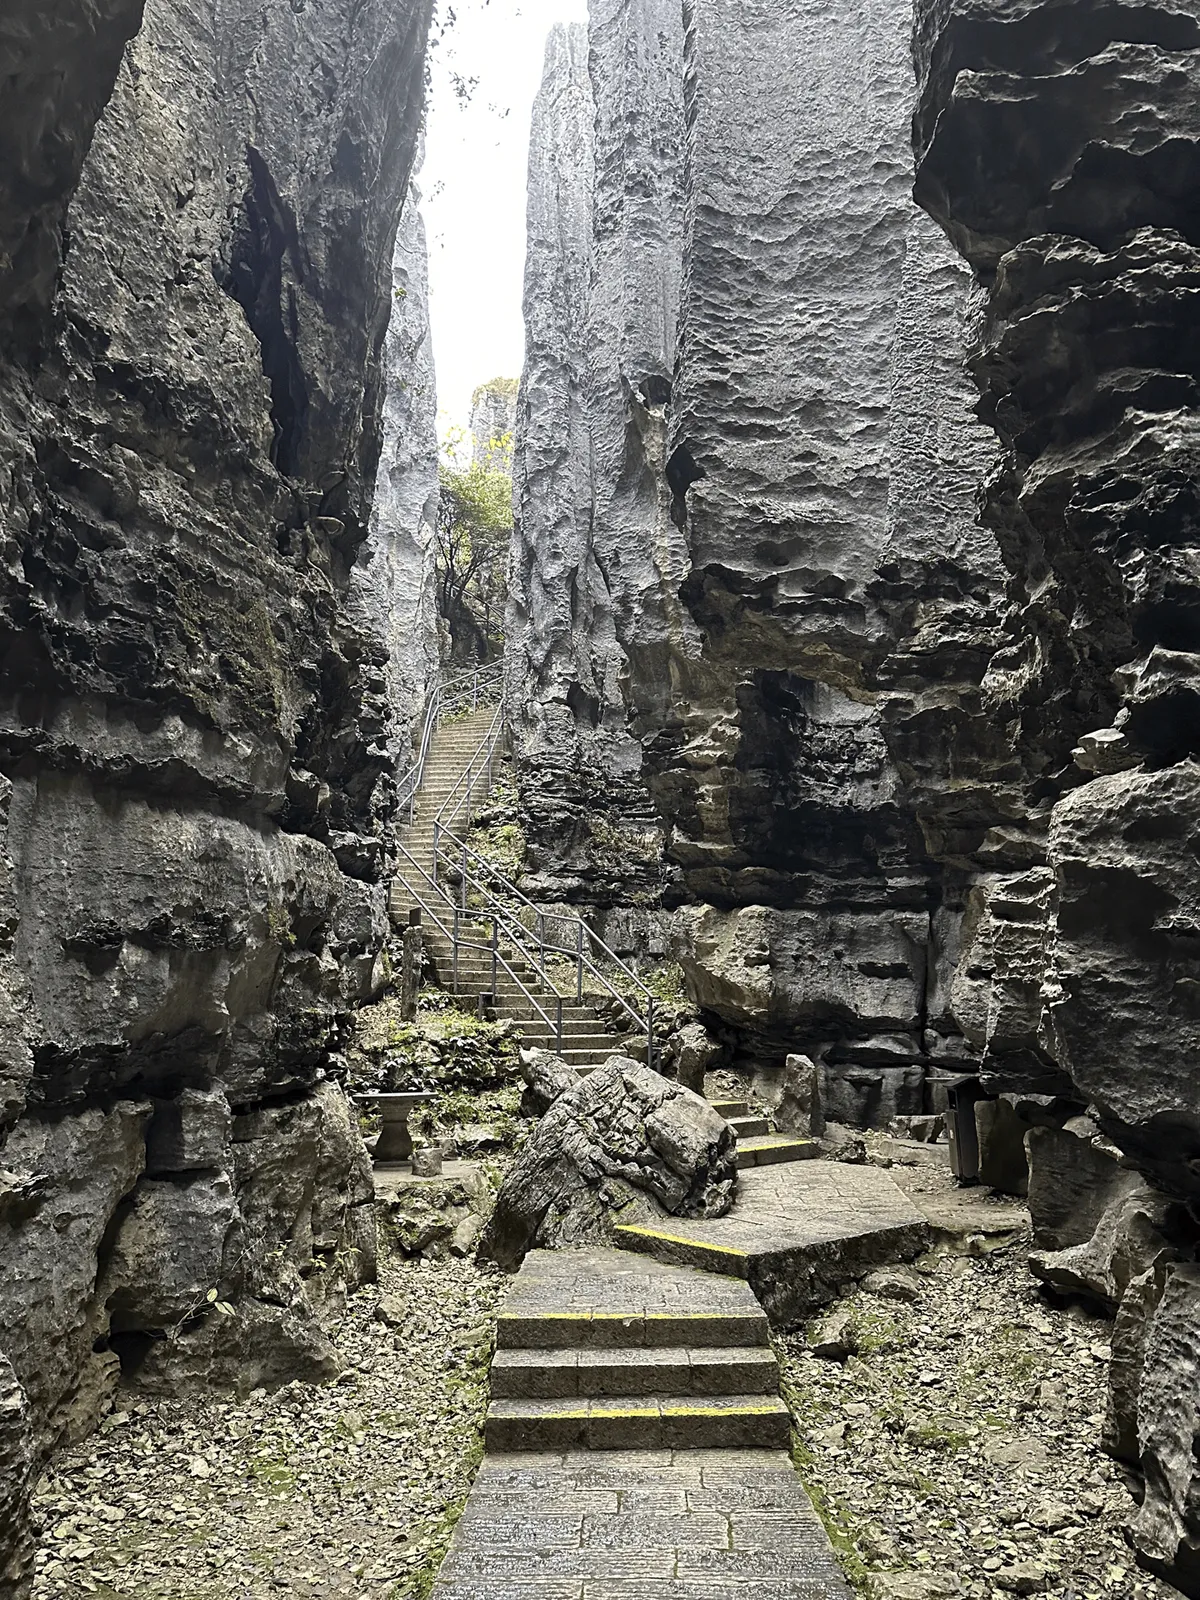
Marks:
<point>454,986</point>
<point>650,1032</point>
<point>437,842</point>
<point>558,1023</point>
<point>542,946</point>
<point>495,951</point>
<point>579,958</point>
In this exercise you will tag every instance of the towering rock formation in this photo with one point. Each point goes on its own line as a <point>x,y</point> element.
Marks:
<point>394,590</point>
<point>1059,145</point>
<point>798,604</point>
<point>558,623</point>
<point>197,214</point>
<point>590,621</point>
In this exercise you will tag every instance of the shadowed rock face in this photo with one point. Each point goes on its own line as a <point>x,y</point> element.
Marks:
<point>597,557</point>
<point>1059,146</point>
<point>798,603</point>
<point>196,236</point>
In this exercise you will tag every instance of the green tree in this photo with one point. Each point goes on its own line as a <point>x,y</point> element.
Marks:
<point>474,530</point>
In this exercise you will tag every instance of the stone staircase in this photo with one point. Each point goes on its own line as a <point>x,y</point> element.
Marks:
<point>600,1350</point>
<point>588,1036</point>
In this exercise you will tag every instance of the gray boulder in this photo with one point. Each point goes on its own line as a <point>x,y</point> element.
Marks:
<point>693,1051</point>
<point>546,1077</point>
<point>623,1135</point>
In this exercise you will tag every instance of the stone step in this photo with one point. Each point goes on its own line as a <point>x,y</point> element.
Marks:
<point>633,1371</point>
<point>730,1108</point>
<point>526,1329</point>
<point>766,1150</point>
<point>666,1422</point>
<point>749,1127</point>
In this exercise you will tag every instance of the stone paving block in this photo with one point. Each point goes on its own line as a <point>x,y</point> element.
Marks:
<point>694,1531</point>
<point>539,1374</point>
<point>705,1589</point>
<point>788,1498</point>
<point>713,1423</point>
<point>546,1531</point>
<point>641,1501</point>
<point>598,1466</point>
<point>754,1371</point>
<point>573,1499</point>
<point>797,1233</point>
<point>515,1589</point>
<point>776,1530</point>
<point>736,1566</point>
<point>633,1371</point>
<point>464,1564</point>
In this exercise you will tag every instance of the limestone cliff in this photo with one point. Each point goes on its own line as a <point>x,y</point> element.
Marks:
<point>394,588</point>
<point>594,601</point>
<point>1059,146</point>
<point>197,214</point>
<point>798,603</point>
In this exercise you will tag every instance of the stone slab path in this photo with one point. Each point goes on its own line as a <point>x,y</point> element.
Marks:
<point>637,1445</point>
<point>797,1234</point>
<point>603,1349</point>
<point>640,1525</point>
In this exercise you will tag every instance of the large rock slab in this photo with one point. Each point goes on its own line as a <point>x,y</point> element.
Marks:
<point>624,1135</point>
<point>798,1233</point>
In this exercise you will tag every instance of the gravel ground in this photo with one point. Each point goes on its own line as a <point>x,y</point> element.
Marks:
<point>339,1491</point>
<point>962,1442</point>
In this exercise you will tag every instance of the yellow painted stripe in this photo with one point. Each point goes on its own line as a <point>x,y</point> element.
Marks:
<point>692,1244</point>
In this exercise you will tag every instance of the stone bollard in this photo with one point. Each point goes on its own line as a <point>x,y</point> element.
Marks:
<point>427,1161</point>
<point>412,964</point>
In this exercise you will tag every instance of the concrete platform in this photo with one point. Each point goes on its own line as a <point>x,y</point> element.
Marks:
<point>798,1233</point>
<point>640,1525</point>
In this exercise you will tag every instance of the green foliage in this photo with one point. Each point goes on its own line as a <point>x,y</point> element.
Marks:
<point>443,1047</point>
<point>474,529</point>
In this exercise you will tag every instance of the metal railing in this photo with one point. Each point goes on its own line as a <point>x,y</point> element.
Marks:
<point>449,696</point>
<point>460,940</point>
<point>491,897</point>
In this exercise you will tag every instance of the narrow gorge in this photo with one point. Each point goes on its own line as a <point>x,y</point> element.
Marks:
<point>785,817</point>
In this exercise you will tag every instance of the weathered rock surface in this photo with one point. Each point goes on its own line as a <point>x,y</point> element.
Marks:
<point>797,603</point>
<point>393,577</point>
<point>1166,1531</point>
<point>624,1134</point>
<point>598,558</point>
<point>1058,146</point>
<point>198,206</point>
<point>546,1077</point>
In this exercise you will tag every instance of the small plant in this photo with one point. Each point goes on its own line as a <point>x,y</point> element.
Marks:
<point>425,1125</point>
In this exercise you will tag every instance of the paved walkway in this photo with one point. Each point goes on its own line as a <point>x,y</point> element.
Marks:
<point>640,1525</point>
<point>636,1445</point>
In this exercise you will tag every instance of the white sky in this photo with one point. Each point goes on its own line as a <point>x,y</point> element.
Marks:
<point>473,183</point>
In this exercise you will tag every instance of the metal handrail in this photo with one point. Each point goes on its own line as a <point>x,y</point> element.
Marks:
<point>492,949</point>
<point>443,699</point>
<point>574,954</point>
<point>485,754</point>
<point>447,841</point>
